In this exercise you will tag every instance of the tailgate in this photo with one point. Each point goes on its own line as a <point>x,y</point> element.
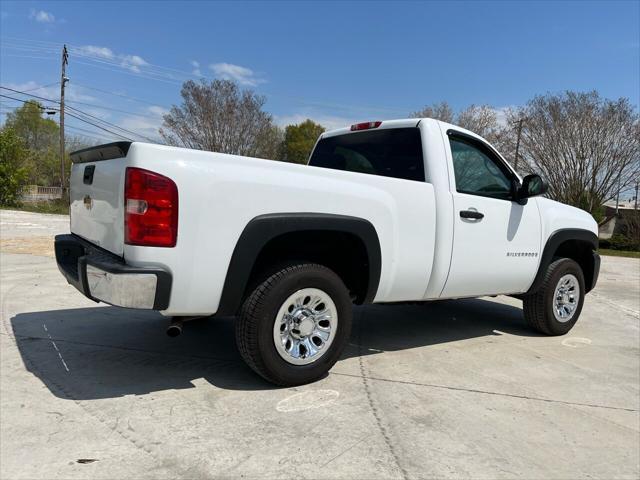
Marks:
<point>97,195</point>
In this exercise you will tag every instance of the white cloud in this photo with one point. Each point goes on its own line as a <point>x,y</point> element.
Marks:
<point>52,92</point>
<point>242,75</point>
<point>92,50</point>
<point>142,125</point>
<point>130,62</point>
<point>196,68</point>
<point>502,114</point>
<point>133,62</point>
<point>145,125</point>
<point>329,122</point>
<point>157,110</point>
<point>41,16</point>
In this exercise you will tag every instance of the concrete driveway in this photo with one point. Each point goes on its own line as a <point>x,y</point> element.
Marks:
<point>448,389</point>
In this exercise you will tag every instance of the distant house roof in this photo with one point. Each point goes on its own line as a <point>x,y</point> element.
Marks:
<point>623,205</point>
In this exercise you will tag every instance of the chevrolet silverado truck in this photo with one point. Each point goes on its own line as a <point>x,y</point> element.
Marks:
<point>393,211</point>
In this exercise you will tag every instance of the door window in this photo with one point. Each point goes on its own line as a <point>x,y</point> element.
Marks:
<point>476,172</point>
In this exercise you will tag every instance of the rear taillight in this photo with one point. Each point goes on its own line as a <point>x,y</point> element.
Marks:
<point>151,209</point>
<point>365,126</point>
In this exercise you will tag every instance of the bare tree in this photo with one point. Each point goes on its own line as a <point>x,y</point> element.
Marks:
<point>220,117</point>
<point>439,111</point>
<point>485,121</point>
<point>480,119</point>
<point>270,143</point>
<point>587,147</point>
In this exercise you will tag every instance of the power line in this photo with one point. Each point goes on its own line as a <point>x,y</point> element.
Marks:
<point>28,56</point>
<point>116,62</point>
<point>147,72</point>
<point>24,92</point>
<point>43,86</point>
<point>29,94</point>
<point>112,109</point>
<point>111,124</point>
<point>74,116</point>
<point>78,111</point>
<point>100,127</point>
<point>91,133</point>
<point>117,94</point>
<point>16,99</point>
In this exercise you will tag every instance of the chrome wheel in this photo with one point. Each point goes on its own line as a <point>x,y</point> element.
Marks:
<point>566,298</point>
<point>305,326</point>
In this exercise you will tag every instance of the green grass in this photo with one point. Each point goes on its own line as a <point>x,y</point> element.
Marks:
<point>60,207</point>
<point>619,253</point>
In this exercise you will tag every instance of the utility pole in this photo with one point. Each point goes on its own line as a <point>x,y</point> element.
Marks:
<point>636,200</point>
<point>618,194</point>
<point>63,81</point>
<point>515,166</point>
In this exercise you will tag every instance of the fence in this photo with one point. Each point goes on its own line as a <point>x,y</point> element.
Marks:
<point>36,193</point>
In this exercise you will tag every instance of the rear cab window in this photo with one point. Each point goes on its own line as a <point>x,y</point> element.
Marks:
<point>391,152</point>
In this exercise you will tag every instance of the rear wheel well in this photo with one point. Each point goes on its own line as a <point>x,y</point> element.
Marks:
<point>343,252</point>
<point>582,253</point>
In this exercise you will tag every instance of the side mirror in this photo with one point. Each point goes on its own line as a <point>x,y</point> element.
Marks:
<point>532,186</point>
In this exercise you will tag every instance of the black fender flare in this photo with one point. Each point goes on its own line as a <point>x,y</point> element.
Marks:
<point>556,239</point>
<point>264,228</point>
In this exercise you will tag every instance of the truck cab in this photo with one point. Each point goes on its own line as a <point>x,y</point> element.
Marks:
<point>490,231</point>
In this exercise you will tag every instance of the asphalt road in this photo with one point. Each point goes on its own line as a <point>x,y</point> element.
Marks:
<point>448,389</point>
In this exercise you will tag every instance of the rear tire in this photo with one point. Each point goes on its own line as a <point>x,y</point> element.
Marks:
<point>307,309</point>
<point>554,309</point>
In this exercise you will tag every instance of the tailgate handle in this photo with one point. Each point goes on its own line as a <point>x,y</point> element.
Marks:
<point>87,178</point>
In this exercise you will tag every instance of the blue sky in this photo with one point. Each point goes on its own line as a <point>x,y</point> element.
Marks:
<point>333,62</point>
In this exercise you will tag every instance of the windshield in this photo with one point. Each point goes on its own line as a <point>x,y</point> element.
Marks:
<point>392,152</point>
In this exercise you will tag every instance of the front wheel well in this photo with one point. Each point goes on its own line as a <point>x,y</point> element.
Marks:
<point>581,252</point>
<point>577,244</point>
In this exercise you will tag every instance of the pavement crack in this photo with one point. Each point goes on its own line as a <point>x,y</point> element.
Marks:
<point>374,410</point>
<point>622,308</point>
<point>486,392</point>
<point>344,451</point>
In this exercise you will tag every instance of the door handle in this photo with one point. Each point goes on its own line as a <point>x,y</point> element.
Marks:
<point>471,214</point>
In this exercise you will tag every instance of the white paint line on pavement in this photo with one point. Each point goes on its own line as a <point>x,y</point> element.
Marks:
<point>307,400</point>
<point>64,364</point>
<point>576,342</point>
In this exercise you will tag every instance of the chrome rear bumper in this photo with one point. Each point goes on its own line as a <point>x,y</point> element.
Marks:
<point>104,277</point>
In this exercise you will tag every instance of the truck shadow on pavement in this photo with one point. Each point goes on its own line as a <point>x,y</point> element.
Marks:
<point>109,352</point>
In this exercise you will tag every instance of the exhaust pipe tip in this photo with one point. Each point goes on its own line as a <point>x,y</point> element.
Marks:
<point>175,328</point>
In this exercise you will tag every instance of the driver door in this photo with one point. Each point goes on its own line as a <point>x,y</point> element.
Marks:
<point>496,244</point>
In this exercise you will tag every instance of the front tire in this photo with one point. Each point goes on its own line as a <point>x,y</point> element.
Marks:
<point>294,326</point>
<point>554,309</point>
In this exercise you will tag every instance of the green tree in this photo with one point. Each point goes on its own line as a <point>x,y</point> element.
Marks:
<point>38,133</point>
<point>13,173</point>
<point>40,137</point>
<point>300,139</point>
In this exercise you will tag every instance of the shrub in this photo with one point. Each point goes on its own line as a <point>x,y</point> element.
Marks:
<point>13,174</point>
<point>621,242</point>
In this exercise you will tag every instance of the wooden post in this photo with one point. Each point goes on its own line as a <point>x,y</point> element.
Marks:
<point>63,81</point>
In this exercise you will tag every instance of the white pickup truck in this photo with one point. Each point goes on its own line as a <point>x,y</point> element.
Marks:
<point>393,211</point>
